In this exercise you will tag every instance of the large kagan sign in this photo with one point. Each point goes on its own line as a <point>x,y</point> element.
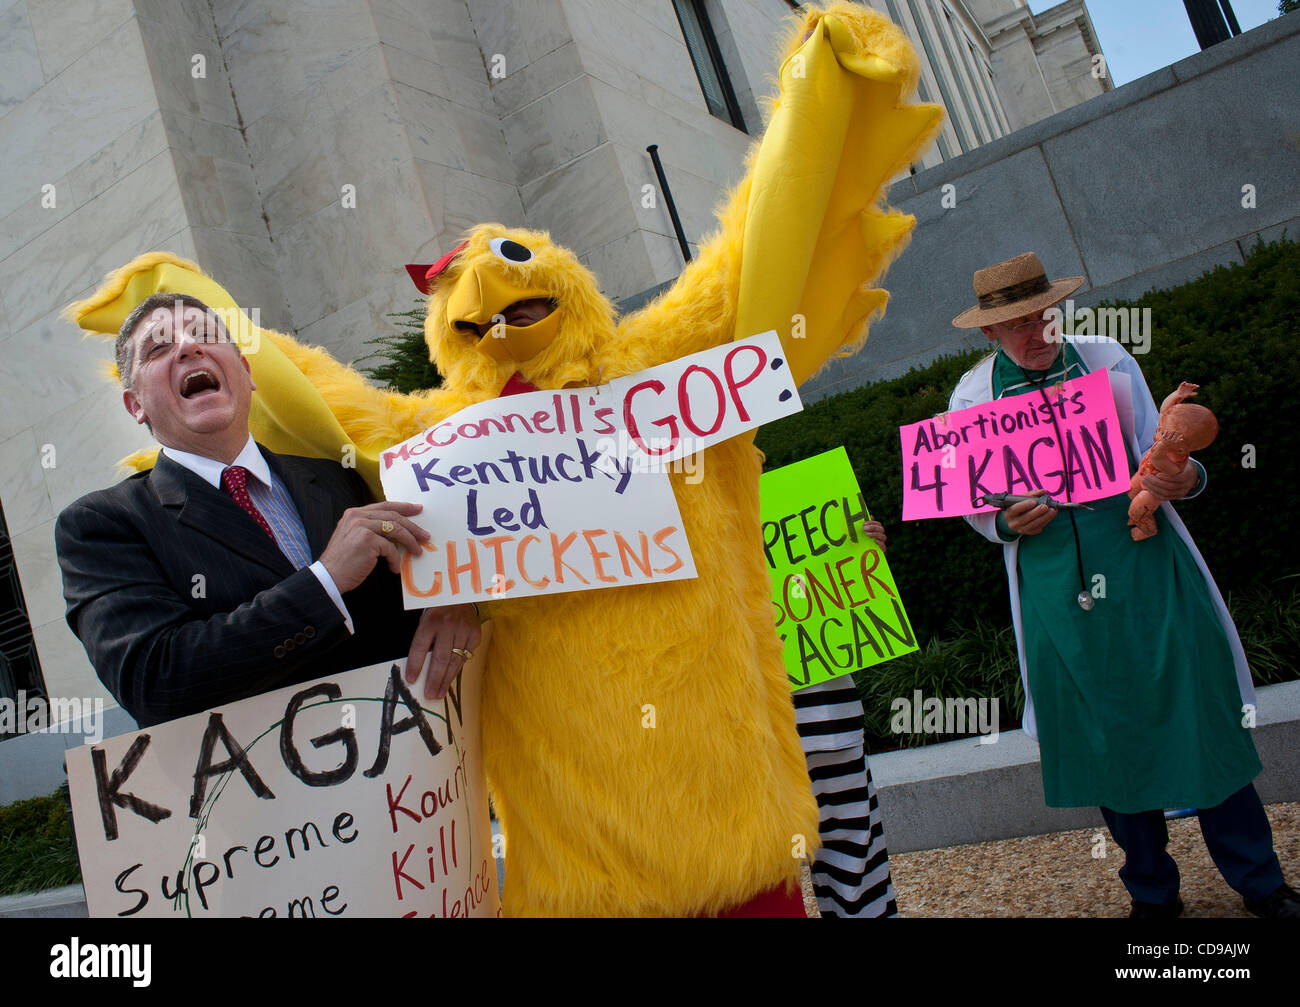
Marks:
<point>341,797</point>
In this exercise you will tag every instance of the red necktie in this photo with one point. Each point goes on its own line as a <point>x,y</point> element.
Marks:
<point>234,480</point>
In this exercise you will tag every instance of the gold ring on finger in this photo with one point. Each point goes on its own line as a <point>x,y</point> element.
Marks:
<point>466,654</point>
<point>387,527</point>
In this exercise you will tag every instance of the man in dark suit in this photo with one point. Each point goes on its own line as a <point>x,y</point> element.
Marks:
<point>228,570</point>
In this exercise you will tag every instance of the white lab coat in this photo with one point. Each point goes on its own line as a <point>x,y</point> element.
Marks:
<point>1138,417</point>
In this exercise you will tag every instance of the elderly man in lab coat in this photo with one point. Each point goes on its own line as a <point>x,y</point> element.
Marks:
<point>1140,699</point>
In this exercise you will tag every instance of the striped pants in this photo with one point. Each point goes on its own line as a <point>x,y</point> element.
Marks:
<point>851,872</point>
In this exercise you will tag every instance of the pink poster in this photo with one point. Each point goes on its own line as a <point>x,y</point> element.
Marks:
<point>1069,445</point>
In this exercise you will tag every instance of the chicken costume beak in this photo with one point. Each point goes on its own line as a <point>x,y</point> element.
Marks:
<point>481,297</point>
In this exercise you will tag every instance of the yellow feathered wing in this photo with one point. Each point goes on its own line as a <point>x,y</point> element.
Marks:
<point>803,236</point>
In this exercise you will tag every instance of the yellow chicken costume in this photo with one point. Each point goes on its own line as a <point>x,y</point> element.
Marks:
<point>640,741</point>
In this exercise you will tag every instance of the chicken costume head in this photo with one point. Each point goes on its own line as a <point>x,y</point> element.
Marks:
<point>703,802</point>
<point>509,301</point>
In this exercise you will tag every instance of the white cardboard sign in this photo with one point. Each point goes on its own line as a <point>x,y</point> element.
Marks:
<point>554,491</point>
<point>331,798</point>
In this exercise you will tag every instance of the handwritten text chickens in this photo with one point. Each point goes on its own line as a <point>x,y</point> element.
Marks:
<point>567,490</point>
<point>1066,441</point>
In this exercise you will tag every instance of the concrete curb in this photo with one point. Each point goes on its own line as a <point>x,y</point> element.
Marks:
<point>963,792</point>
<point>68,902</point>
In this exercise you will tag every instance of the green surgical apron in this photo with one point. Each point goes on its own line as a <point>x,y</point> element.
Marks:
<point>1136,701</point>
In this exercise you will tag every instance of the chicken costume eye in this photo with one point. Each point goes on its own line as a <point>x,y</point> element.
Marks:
<point>509,250</point>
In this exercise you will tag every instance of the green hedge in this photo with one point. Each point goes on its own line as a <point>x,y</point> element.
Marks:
<point>46,817</point>
<point>36,850</point>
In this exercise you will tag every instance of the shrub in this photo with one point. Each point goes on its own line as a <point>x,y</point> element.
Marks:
<point>1269,623</point>
<point>975,663</point>
<point>402,358</point>
<point>43,817</point>
<point>36,848</point>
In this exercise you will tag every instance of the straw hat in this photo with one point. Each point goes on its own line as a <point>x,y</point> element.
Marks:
<point>1013,289</point>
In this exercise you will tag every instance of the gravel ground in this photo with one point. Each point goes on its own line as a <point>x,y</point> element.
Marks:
<point>809,900</point>
<point>1059,875</point>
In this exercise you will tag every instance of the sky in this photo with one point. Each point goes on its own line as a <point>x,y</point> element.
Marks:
<point>1140,36</point>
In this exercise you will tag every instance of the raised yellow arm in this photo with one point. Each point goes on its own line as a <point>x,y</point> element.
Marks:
<point>803,237</point>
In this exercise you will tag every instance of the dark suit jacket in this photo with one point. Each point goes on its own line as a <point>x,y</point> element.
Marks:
<point>184,603</point>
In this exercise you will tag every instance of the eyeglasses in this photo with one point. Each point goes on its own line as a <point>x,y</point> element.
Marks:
<point>1024,328</point>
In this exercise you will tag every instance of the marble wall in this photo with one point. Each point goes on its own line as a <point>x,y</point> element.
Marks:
<point>373,142</point>
<point>1066,59</point>
<point>591,84</point>
<point>1025,97</point>
<point>120,135</point>
<point>1043,63</point>
<point>89,182</point>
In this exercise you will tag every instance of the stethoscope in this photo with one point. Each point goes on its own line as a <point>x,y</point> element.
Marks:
<point>1084,597</point>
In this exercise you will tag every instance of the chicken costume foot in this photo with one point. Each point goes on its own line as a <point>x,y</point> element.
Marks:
<point>640,741</point>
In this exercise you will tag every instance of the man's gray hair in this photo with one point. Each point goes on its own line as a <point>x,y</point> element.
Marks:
<point>125,346</point>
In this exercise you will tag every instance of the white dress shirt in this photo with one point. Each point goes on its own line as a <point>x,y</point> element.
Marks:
<point>270,497</point>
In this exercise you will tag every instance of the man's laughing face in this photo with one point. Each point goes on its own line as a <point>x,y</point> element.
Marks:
<point>189,382</point>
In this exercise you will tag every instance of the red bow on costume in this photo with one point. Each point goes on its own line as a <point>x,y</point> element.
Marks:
<point>423,276</point>
<point>517,385</point>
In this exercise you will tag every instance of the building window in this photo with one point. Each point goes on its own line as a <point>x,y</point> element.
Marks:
<point>936,68</point>
<point>702,44</point>
<point>960,77</point>
<point>997,101</point>
<point>923,93</point>
<point>986,104</point>
<point>20,670</point>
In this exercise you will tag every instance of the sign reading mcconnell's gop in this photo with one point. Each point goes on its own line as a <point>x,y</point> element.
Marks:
<point>566,490</point>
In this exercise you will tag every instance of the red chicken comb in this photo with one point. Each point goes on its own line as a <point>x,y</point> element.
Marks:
<point>423,276</point>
